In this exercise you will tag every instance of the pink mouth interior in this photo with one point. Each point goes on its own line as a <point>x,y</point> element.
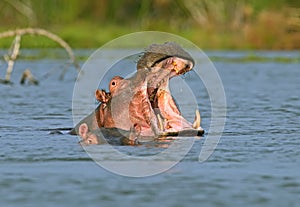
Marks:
<point>162,101</point>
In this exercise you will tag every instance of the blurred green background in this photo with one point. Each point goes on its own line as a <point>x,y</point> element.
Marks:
<point>211,24</point>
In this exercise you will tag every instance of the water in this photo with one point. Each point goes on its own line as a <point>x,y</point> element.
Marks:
<point>256,163</point>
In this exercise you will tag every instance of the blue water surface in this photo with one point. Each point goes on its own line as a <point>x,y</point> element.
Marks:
<point>256,163</point>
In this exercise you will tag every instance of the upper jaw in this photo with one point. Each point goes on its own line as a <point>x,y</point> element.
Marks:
<point>175,65</point>
<point>181,66</point>
<point>168,68</point>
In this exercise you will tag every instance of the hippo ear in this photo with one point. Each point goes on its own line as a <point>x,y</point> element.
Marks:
<point>83,130</point>
<point>98,95</point>
<point>101,95</point>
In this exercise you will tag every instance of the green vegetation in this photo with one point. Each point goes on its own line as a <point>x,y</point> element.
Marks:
<point>256,58</point>
<point>211,24</point>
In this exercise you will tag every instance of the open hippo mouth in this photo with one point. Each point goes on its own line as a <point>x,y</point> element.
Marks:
<point>168,116</point>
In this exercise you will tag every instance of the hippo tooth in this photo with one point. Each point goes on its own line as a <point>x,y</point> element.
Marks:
<point>160,122</point>
<point>197,121</point>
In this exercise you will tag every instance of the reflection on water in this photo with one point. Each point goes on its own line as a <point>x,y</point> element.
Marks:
<point>256,162</point>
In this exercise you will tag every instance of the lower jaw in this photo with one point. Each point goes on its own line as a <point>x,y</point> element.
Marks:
<point>171,126</point>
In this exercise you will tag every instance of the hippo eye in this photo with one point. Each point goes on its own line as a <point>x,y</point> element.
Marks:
<point>113,83</point>
<point>89,141</point>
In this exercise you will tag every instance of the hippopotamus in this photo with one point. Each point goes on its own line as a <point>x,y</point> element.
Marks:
<point>143,105</point>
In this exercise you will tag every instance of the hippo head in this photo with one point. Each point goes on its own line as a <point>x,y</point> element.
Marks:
<point>142,105</point>
<point>144,101</point>
<point>87,136</point>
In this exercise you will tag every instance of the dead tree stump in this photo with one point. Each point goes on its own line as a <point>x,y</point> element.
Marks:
<point>27,75</point>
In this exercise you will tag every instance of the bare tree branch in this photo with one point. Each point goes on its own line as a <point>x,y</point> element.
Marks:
<point>32,31</point>
<point>13,56</point>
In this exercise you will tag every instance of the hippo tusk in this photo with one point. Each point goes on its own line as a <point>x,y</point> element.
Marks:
<point>160,122</point>
<point>197,121</point>
<point>177,70</point>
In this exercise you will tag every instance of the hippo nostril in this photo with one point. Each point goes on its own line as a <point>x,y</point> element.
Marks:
<point>113,83</point>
